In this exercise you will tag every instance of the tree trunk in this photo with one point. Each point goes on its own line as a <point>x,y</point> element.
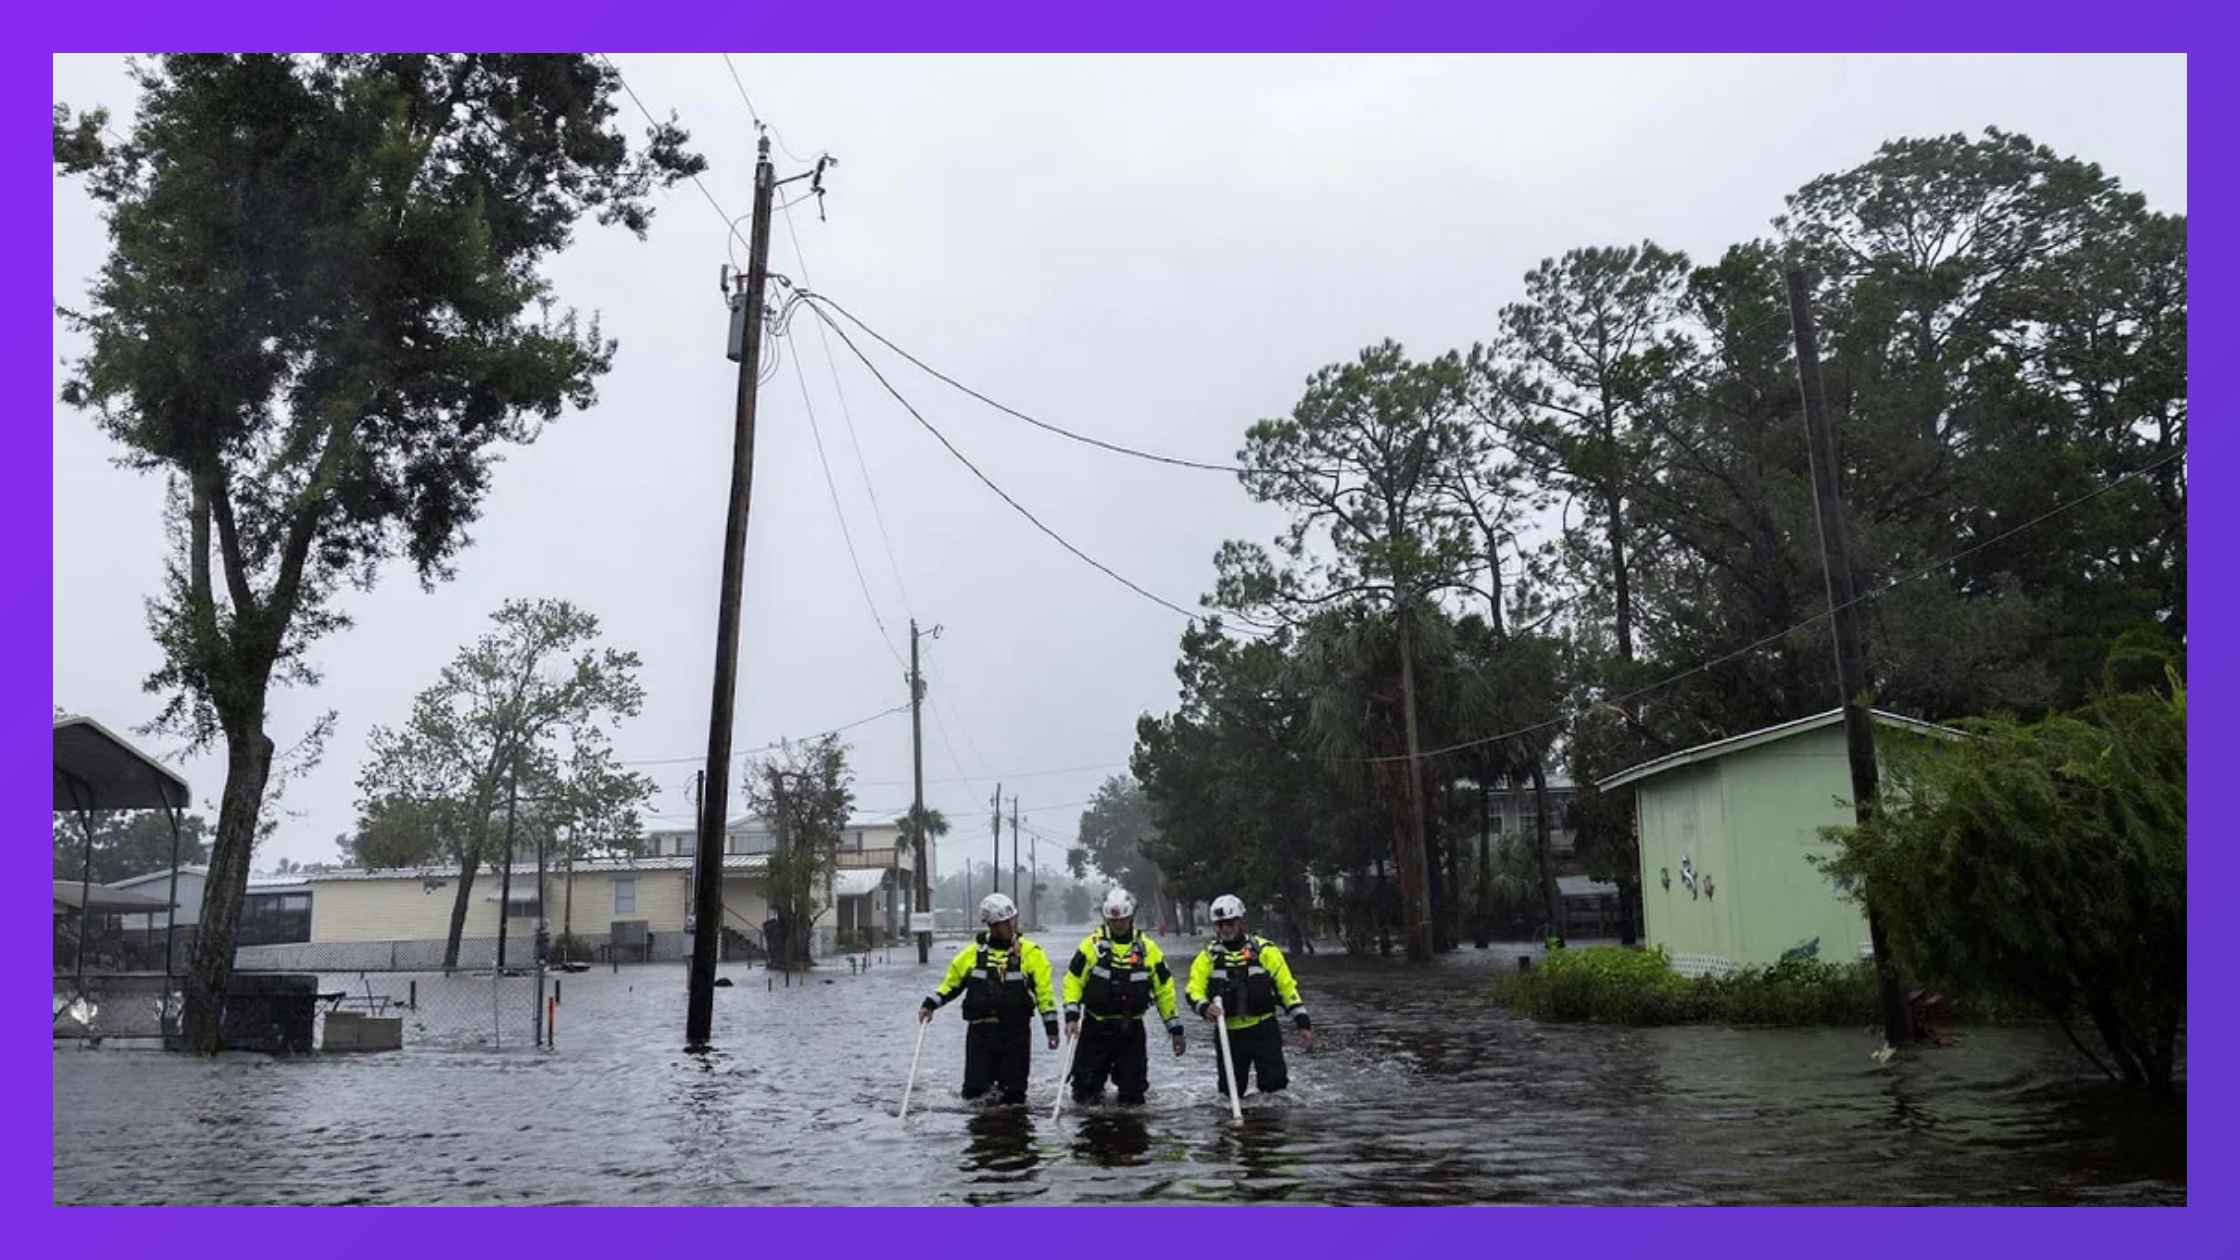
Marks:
<point>1453,839</point>
<point>1620,586</point>
<point>249,754</point>
<point>460,902</point>
<point>1435,849</point>
<point>1415,891</point>
<point>1551,904</point>
<point>1384,921</point>
<point>1485,840</point>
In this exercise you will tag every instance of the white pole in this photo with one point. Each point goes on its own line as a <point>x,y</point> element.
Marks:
<point>1065,1069</point>
<point>907,1086</point>
<point>1228,1059</point>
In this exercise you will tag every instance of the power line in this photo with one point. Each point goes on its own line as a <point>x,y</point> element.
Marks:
<point>1084,438</point>
<point>751,112</point>
<point>730,224</point>
<point>1007,775</point>
<point>816,433</point>
<point>847,417</point>
<point>670,761</point>
<point>1891,585</point>
<point>1015,505</point>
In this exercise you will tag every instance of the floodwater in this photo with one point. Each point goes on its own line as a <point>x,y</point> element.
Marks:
<point>1418,1091</point>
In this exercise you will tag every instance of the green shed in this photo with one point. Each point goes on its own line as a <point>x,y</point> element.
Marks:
<point>1725,832</point>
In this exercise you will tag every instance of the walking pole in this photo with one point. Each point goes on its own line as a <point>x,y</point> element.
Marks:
<point>922,1026</point>
<point>1065,1070</point>
<point>1228,1059</point>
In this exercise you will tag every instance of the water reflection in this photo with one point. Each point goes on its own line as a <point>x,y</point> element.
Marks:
<point>1112,1137</point>
<point>1417,1091</point>
<point>1002,1144</point>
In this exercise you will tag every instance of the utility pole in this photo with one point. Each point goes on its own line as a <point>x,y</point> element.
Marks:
<point>1034,890</point>
<point>923,836</point>
<point>707,898</point>
<point>1015,896</point>
<point>995,842</point>
<point>505,877</point>
<point>1851,643</point>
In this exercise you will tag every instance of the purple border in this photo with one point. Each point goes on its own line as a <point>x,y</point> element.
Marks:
<point>1596,25</point>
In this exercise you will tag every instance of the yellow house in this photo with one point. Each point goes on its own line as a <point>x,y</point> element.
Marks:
<point>637,907</point>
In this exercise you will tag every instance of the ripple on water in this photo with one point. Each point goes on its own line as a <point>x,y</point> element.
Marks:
<point>1416,1093</point>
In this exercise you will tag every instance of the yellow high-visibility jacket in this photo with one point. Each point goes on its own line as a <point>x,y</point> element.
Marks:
<point>999,983</point>
<point>1252,978</point>
<point>1126,979</point>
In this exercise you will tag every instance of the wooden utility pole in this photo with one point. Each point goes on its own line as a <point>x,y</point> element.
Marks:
<point>1850,635</point>
<point>922,835</point>
<point>1034,889</point>
<point>1015,895</point>
<point>707,890</point>
<point>995,841</point>
<point>505,877</point>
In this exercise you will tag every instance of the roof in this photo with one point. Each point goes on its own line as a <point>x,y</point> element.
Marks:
<point>1581,886</point>
<point>732,862</point>
<point>257,883</point>
<point>164,874</point>
<point>861,882</point>
<point>747,823</point>
<point>96,768</point>
<point>104,900</point>
<point>1736,743</point>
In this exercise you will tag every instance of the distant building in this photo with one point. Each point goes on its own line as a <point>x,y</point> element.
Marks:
<point>641,905</point>
<point>1727,829</point>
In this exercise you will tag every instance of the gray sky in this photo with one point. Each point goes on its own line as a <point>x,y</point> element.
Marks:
<point>1155,250</point>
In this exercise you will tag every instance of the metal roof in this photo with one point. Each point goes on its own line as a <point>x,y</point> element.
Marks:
<point>857,882</point>
<point>96,768</point>
<point>104,900</point>
<point>732,862</point>
<point>1736,743</point>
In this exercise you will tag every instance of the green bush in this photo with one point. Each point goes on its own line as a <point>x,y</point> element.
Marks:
<point>1609,985</point>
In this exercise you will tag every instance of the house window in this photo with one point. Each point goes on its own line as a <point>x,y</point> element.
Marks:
<point>524,907</point>
<point>626,896</point>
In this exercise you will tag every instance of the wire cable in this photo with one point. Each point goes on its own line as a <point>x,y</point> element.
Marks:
<point>1045,425</point>
<point>1015,505</point>
<point>1891,585</point>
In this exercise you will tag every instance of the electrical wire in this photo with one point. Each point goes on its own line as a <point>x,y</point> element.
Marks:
<point>1045,425</point>
<point>1015,505</point>
<point>730,224</point>
<point>1891,585</point>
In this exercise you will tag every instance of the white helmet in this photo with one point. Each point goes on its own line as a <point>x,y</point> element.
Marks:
<point>1119,905</point>
<point>995,908</point>
<point>1227,907</point>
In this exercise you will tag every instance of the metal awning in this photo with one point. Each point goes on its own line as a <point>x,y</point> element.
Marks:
<point>96,768</point>
<point>519,894</point>
<point>103,900</point>
<point>857,883</point>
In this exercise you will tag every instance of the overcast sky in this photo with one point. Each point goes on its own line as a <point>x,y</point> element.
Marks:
<point>1154,250</point>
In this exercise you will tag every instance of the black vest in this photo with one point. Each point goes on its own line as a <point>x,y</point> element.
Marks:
<point>1119,979</point>
<point>997,985</point>
<point>1244,987</point>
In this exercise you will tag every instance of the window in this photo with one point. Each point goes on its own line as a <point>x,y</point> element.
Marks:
<point>626,896</point>
<point>524,908</point>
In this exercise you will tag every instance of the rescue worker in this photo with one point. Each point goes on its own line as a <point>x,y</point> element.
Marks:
<point>1004,978</point>
<point>1248,974</point>
<point>1116,975</point>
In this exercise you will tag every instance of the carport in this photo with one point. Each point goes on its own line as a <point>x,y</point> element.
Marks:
<point>98,770</point>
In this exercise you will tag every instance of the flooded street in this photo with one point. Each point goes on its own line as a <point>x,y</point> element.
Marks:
<point>1418,1091</point>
